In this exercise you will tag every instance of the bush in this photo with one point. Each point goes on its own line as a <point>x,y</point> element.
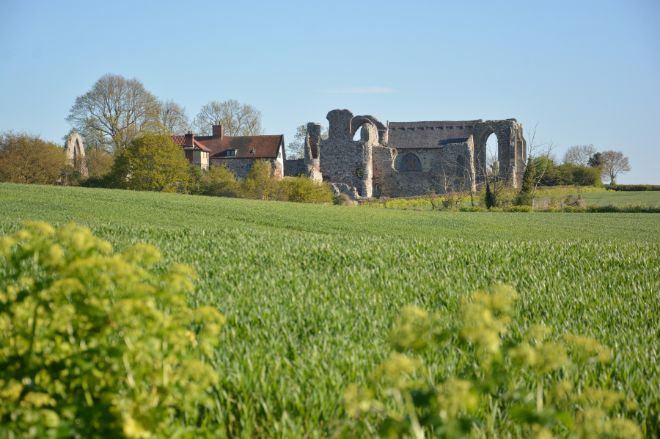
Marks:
<point>303,190</point>
<point>490,198</point>
<point>28,159</point>
<point>259,183</point>
<point>221,182</point>
<point>99,344</point>
<point>99,162</point>
<point>496,382</point>
<point>152,162</point>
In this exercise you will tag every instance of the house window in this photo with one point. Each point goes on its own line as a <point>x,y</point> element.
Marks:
<point>230,153</point>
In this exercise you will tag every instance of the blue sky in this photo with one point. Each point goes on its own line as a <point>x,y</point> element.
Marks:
<point>580,71</point>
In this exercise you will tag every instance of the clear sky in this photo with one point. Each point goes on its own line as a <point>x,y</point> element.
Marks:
<point>580,71</point>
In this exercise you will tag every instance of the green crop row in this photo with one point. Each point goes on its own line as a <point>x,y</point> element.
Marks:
<point>310,292</point>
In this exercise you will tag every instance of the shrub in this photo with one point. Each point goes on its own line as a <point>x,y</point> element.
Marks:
<point>220,181</point>
<point>259,183</point>
<point>344,200</point>
<point>495,382</point>
<point>451,200</point>
<point>28,159</point>
<point>303,190</point>
<point>98,344</point>
<point>152,162</point>
<point>528,183</point>
<point>99,162</point>
<point>490,198</point>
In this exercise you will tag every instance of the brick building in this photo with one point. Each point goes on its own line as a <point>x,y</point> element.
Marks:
<point>237,153</point>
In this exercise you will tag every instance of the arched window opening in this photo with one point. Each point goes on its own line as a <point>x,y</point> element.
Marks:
<point>492,167</point>
<point>409,162</point>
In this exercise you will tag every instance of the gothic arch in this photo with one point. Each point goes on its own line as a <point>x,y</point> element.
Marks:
<point>75,153</point>
<point>408,162</point>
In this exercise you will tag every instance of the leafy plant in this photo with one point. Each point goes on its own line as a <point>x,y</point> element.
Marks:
<point>99,344</point>
<point>151,162</point>
<point>495,381</point>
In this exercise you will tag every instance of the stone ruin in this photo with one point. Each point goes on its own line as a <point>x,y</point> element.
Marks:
<point>411,158</point>
<point>75,153</point>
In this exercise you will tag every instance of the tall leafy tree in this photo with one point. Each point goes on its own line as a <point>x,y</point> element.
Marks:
<point>173,118</point>
<point>152,162</point>
<point>579,154</point>
<point>29,159</point>
<point>238,119</point>
<point>115,111</point>
<point>614,163</point>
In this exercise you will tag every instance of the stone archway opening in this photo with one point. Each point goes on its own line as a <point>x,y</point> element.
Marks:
<point>492,166</point>
<point>357,136</point>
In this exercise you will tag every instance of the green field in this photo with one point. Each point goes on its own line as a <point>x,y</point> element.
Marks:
<point>310,291</point>
<point>622,198</point>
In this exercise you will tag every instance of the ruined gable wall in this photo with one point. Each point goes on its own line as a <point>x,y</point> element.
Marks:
<point>445,169</point>
<point>428,134</point>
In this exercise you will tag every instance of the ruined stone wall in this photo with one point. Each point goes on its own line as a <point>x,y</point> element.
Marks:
<point>441,170</point>
<point>512,152</point>
<point>411,158</point>
<point>428,134</point>
<point>344,160</point>
<point>294,167</point>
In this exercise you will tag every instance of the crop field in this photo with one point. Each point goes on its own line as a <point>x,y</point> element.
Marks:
<point>622,199</point>
<point>311,291</point>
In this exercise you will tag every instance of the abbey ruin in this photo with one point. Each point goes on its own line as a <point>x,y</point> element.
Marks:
<point>411,158</point>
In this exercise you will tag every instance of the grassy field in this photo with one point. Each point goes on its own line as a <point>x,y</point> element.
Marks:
<point>622,199</point>
<point>594,197</point>
<point>310,291</point>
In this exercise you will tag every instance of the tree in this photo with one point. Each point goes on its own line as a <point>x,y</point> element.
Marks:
<point>221,182</point>
<point>491,198</point>
<point>173,118</point>
<point>152,162</point>
<point>236,118</point>
<point>613,164</point>
<point>596,160</point>
<point>115,111</point>
<point>28,159</point>
<point>295,149</point>
<point>579,154</point>
<point>526,194</point>
<point>99,162</point>
<point>259,182</point>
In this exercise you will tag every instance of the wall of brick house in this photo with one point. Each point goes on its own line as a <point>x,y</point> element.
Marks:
<point>241,167</point>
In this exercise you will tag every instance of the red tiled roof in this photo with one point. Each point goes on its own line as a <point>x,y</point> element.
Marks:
<point>181,141</point>
<point>245,146</point>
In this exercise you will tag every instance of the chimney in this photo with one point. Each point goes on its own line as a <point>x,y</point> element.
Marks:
<point>218,130</point>
<point>188,139</point>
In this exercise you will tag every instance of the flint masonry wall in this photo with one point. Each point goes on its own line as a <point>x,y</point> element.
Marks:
<point>412,158</point>
<point>241,167</point>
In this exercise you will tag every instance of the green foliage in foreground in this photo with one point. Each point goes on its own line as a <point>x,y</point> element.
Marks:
<point>99,344</point>
<point>310,291</point>
<point>490,381</point>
